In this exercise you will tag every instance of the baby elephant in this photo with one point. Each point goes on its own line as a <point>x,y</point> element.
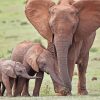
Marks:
<point>9,70</point>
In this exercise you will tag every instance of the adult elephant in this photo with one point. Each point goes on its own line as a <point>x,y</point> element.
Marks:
<point>71,36</point>
<point>67,19</point>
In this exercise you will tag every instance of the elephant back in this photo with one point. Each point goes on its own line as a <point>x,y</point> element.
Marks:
<point>20,50</point>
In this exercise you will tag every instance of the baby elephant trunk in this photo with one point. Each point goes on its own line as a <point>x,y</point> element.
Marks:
<point>28,76</point>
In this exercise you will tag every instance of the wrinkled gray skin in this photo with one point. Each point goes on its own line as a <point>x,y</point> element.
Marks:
<point>9,70</point>
<point>37,60</point>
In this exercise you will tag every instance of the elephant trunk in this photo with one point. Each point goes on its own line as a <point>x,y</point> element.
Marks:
<point>25,75</point>
<point>55,77</point>
<point>62,47</point>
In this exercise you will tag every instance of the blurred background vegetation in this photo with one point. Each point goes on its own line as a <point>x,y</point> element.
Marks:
<point>14,28</point>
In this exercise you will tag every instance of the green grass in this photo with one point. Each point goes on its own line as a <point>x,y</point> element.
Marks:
<point>14,28</point>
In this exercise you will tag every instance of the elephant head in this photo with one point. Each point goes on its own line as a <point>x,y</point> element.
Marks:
<point>14,69</point>
<point>20,70</point>
<point>41,59</point>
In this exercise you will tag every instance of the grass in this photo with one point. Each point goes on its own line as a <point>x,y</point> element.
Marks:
<point>14,28</point>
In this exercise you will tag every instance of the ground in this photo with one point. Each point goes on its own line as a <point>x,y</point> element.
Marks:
<point>14,28</point>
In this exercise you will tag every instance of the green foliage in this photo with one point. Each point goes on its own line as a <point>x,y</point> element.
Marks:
<point>37,41</point>
<point>14,26</point>
<point>93,49</point>
<point>46,89</point>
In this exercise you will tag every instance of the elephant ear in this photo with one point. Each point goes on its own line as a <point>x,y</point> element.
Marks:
<point>32,61</point>
<point>89,16</point>
<point>37,12</point>
<point>9,71</point>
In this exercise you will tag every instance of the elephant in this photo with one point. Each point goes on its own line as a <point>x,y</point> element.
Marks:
<point>65,25</point>
<point>9,70</point>
<point>37,60</point>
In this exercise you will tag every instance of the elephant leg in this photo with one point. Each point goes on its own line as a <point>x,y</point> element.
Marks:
<point>19,86</point>
<point>7,84</point>
<point>38,83</point>
<point>2,89</point>
<point>15,86</point>
<point>11,82</point>
<point>73,54</point>
<point>25,91</point>
<point>0,93</point>
<point>71,66</point>
<point>82,67</point>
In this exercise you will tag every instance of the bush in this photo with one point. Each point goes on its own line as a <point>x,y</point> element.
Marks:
<point>37,41</point>
<point>94,50</point>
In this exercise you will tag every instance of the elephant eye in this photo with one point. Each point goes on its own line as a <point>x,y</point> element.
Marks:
<point>43,64</point>
<point>51,12</point>
<point>73,13</point>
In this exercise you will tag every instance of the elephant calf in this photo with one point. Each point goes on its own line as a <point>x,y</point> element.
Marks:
<point>37,60</point>
<point>9,70</point>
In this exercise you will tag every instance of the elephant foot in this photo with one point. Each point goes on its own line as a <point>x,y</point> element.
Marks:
<point>25,94</point>
<point>82,92</point>
<point>9,95</point>
<point>64,92</point>
<point>59,94</point>
<point>16,95</point>
<point>36,94</point>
